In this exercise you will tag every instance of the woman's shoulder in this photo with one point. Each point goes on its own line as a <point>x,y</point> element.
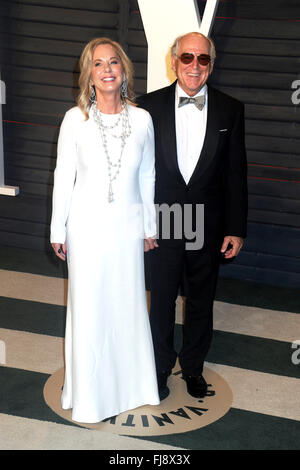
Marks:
<point>139,113</point>
<point>75,114</point>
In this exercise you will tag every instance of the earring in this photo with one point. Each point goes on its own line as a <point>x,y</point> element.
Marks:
<point>93,95</point>
<point>124,89</point>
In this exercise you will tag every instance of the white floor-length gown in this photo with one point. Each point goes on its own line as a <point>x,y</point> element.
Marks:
<point>110,365</point>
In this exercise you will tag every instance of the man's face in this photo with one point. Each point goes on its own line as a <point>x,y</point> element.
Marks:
<point>193,76</point>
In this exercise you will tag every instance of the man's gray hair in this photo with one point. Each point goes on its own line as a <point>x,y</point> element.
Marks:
<point>175,45</point>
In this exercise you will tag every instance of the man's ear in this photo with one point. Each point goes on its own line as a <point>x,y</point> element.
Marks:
<point>173,63</point>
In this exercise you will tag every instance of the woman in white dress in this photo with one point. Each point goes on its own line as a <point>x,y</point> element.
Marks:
<point>103,219</point>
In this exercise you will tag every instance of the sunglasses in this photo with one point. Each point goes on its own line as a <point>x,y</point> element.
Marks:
<point>187,58</point>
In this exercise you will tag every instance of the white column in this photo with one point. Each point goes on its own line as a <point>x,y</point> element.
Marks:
<point>4,189</point>
<point>163,21</point>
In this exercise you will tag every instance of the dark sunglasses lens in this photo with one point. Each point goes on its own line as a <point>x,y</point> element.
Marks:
<point>186,58</point>
<point>203,59</point>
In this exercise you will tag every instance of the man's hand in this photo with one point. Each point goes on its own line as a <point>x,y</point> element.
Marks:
<point>236,242</point>
<point>60,250</point>
<point>150,244</point>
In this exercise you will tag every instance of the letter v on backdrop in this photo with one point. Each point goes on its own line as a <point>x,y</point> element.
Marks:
<point>163,21</point>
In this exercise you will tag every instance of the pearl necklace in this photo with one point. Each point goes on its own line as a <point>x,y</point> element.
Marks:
<point>123,135</point>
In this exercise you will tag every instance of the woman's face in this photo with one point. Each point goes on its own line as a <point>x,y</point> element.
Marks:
<point>107,71</point>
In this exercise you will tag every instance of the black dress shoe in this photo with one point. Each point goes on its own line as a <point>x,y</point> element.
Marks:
<point>196,385</point>
<point>162,378</point>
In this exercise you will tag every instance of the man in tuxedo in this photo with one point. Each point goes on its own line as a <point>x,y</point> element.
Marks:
<point>200,160</point>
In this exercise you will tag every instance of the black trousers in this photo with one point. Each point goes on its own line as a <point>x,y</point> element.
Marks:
<point>168,264</point>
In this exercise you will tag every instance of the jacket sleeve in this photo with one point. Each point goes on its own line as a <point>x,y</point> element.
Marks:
<point>64,179</point>
<point>147,181</point>
<point>235,180</point>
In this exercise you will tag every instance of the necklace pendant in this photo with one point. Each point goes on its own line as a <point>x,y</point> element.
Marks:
<point>110,193</point>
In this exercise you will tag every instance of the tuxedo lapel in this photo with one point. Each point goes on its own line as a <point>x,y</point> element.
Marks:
<point>211,139</point>
<point>168,133</point>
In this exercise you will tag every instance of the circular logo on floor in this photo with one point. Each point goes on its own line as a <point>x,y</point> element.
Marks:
<point>178,413</point>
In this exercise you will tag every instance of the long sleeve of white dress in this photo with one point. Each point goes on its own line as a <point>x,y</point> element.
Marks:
<point>64,178</point>
<point>147,181</point>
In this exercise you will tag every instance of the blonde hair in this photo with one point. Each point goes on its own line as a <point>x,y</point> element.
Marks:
<point>212,49</point>
<point>86,63</point>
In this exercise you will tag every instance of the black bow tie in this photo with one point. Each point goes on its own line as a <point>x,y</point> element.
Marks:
<point>198,101</point>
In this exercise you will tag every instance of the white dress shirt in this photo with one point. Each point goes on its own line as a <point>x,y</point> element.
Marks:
<point>190,132</point>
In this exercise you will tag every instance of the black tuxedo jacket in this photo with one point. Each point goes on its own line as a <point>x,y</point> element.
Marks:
<point>219,180</point>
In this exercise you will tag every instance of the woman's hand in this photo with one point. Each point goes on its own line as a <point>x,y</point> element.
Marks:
<point>150,244</point>
<point>60,250</point>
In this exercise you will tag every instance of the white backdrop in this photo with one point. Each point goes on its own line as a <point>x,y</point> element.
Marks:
<point>163,21</point>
